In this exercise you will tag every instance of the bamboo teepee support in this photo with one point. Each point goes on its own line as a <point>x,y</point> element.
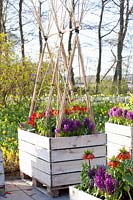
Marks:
<point>36,80</point>
<point>85,84</point>
<point>66,62</point>
<point>62,48</point>
<point>53,80</point>
<point>61,112</point>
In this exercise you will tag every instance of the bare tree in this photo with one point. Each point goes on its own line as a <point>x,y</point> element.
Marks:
<point>100,45</point>
<point>70,38</point>
<point>40,34</point>
<point>124,12</point>
<point>2,24</point>
<point>100,38</point>
<point>21,31</point>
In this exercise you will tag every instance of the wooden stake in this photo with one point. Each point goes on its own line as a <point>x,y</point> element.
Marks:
<point>33,101</point>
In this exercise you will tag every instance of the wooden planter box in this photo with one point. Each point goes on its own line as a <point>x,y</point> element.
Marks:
<point>2,177</point>
<point>117,137</point>
<point>56,162</point>
<point>76,194</point>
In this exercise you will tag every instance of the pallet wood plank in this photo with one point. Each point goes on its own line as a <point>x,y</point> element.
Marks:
<point>119,139</point>
<point>119,129</point>
<point>33,138</point>
<point>67,179</point>
<point>35,150</point>
<point>41,177</point>
<point>32,162</point>
<point>118,136</point>
<point>78,141</point>
<point>74,166</point>
<point>76,153</point>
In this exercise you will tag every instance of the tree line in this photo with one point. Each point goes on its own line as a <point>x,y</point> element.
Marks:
<point>19,24</point>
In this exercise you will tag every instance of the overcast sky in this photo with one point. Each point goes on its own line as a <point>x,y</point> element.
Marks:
<point>88,34</point>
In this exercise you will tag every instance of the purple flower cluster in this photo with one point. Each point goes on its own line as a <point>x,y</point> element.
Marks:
<point>115,112</point>
<point>88,124</point>
<point>91,175</point>
<point>119,112</point>
<point>70,125</point>
<point>104,181</point>
<point>110,184</point>
<point>100,177</point>
<point>76,125</point>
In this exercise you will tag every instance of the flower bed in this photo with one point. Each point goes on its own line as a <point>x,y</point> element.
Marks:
<point>112,182</point>
<point>2,178</point>
<point>75,122</point>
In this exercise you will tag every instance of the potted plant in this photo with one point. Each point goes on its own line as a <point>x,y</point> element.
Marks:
<point>2,177</point>
<point>112,182</point>
<point>119,128</point>
<point>51,155</point>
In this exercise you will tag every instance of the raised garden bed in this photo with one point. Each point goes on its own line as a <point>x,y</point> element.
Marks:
<point>56,162</point>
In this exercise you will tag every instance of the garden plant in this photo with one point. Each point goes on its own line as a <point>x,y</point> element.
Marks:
<point>112,182</point>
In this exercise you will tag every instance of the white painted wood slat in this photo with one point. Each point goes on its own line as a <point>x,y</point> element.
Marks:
<point>76,194</point>
<point>76,153</point>
<point>35,150</point>
<point>33,138</point>
<point>118,136</point>
<point>78,141</point>
<point>119,129</point>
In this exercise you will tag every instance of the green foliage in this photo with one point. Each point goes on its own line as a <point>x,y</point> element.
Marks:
<point>84,177</point>
<point>100,110</point>
<point>17,79</point>
<point>10,117</point>
<point>124,175</point>
<point>107,88</point>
